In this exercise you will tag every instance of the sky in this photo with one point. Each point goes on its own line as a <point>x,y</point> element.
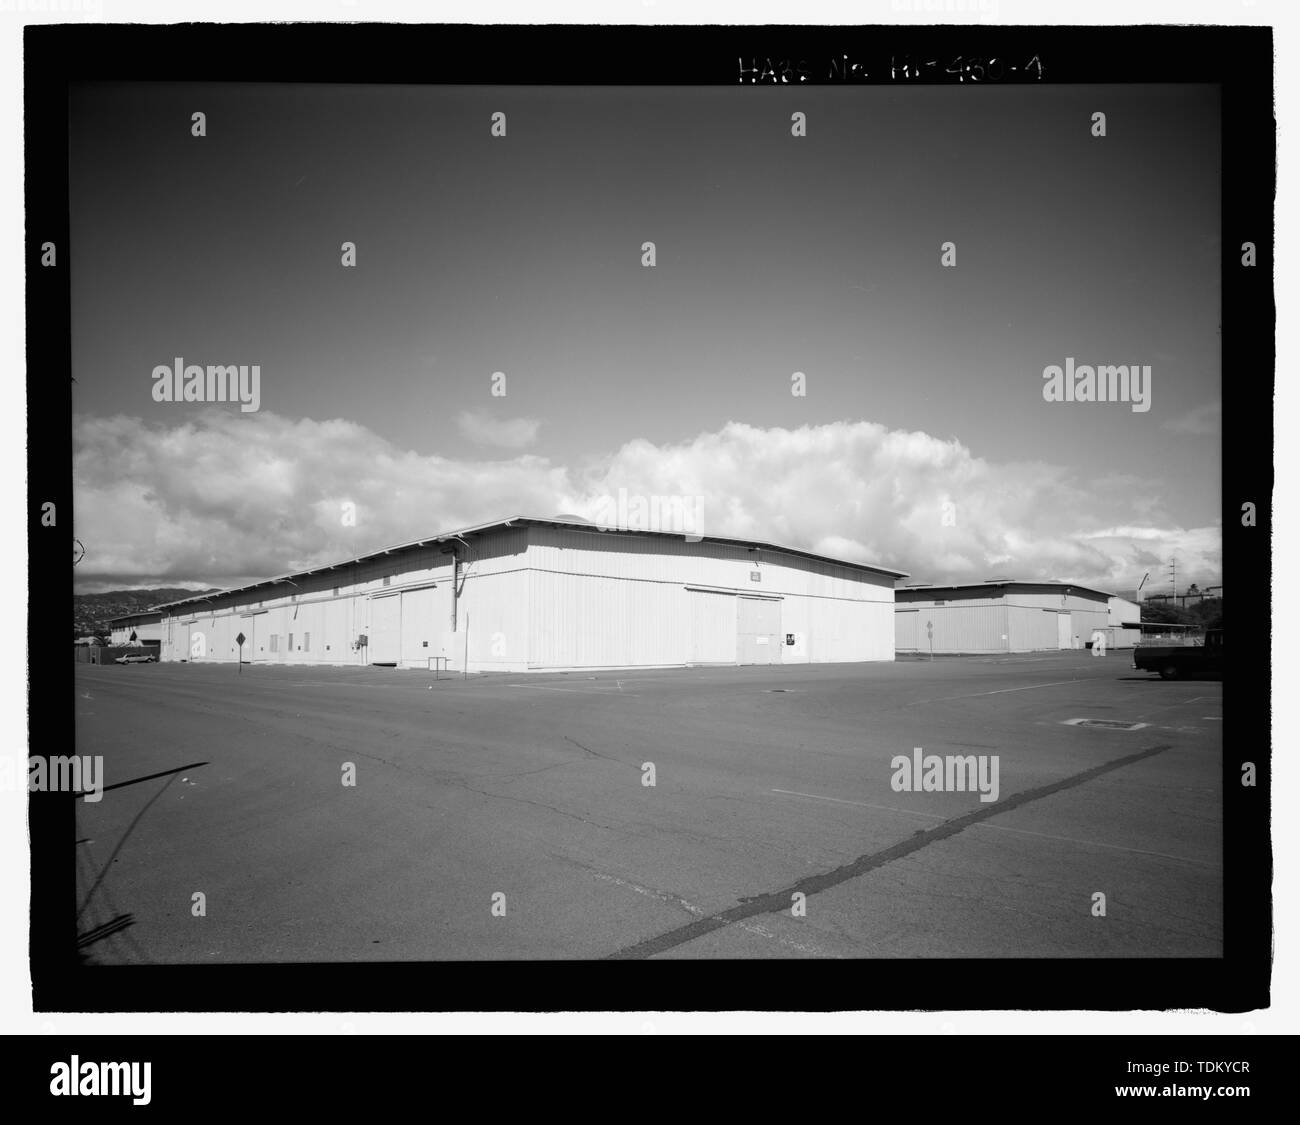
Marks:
<point>923,441</point>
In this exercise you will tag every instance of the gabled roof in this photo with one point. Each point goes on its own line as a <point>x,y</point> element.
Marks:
<point>143,617</point>
<point>541,521</point>
<point>998,584</point>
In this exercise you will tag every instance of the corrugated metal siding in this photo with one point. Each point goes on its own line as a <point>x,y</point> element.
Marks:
<point>713,627</point>
<point>1084,622</point>
<point>961,624</point>
<point>335,621</point>
<point>962,627</point>
<point>651,559</point>
<point>907,629</point>
<point>121,635</point>
<point>839,631</point>
<point>620,601</point>
<point>758,630</point>
<point>1120,638</point>
<point>588,621</point>
<point>550,598</point>
<point>1031,629</point>
<point>1122,612</point>
<point>495,609</point>
<point>1020,621</point>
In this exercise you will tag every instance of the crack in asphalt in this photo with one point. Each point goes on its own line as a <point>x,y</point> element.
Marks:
<point>542,805</point>
<point>779,901</point>
<point>598,754</point>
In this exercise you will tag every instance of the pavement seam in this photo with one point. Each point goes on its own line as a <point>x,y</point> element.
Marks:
<point>776,901</point>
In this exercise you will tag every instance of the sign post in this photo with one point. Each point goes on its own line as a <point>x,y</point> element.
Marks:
<point>929,628</point>
<point>239,640</point>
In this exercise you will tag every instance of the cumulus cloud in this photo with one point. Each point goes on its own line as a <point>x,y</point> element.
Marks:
<point>507,433</point>
<point>238,497</point>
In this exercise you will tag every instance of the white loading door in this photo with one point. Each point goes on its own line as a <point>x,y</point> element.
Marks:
<point>758,630</point>
<point>1064,636</point>
<point>713,627</point>
<point>385,630</point>
<point>421,635</point>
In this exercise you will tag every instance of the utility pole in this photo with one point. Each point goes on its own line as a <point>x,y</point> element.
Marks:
<point>1173,577</point>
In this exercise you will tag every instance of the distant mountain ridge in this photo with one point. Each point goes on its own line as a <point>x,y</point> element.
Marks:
<point>91,613</point>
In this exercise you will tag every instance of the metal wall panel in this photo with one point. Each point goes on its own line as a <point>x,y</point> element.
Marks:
<point>385,630</point>
<point>494,609</point>
<point>612,600</point>
<point>1084,622</point>
<point>248,629</point>
<point>907,629</point>
<point>758,629</point>
<point>713,627</point>
<point>121,634</point>
<point>310,605</point>
<point>421,634</point>
<point>1019,621</point>
<point>549,598</point>
<point>587,621</point>
<point>1121,612</point>
<point>837,631</point>
<point>666,559</point>
<point>1032,629</point>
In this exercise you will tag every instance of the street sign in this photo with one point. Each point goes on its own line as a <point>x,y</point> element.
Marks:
<point>239,640</point>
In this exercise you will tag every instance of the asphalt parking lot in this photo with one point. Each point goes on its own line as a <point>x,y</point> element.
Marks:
<point>508,816</point>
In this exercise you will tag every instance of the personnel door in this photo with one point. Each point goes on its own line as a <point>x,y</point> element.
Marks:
<point>1064,634</point>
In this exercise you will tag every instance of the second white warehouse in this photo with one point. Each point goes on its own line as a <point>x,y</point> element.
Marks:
<point>1005,615</point>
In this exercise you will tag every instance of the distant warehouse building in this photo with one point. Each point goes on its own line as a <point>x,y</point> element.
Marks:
<point>1124,624</point>
<point>136,629</point>
<point>1003,615</point>
<point>526,594</point>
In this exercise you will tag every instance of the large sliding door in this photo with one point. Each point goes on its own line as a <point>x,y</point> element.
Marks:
<point>758,630</point>
<point>713,627</point>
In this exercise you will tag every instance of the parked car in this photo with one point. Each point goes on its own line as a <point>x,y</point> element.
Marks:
<point>137,658</point>
<point>1189,662</point>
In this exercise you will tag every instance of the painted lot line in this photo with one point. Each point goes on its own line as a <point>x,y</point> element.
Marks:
<point>999,691</point>
<point>778,901</point>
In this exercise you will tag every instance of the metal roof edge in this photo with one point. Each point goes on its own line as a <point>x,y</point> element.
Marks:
<point>1014,582</point>
<point>444,536</point>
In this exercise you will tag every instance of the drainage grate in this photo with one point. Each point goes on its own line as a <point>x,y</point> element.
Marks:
<point>1105,724</point>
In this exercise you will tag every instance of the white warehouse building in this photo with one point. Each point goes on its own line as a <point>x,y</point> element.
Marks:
<point>530,594</point>
<point>136,629</point>
<point>1005,615</point>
